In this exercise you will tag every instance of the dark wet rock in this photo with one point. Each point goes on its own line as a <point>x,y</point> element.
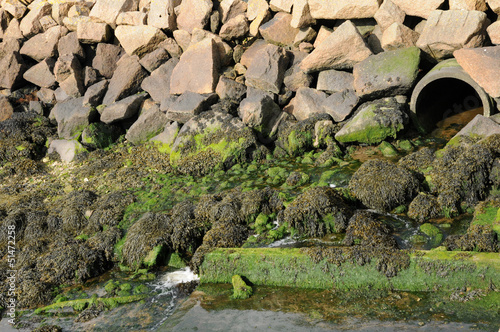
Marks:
<point>99,135</point>
<point>222,141</point>
<point>424,207</point>
<point>90,313</point>
<point>151,122</point>
<point>95,93</point>
<point>190,104</point>
<point>48,328</point>
<point>365,228</point>
<point>228,88</point>
<point>383,186</point>
<point>31,290</point>
<point>317,212</point>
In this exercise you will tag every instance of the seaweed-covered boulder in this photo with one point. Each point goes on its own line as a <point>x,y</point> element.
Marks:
<point>368,231</point>
<point>382,185</point>
<point>186,230</point>
<point>477,238</point>
<point>317,212</point>
<point>461,176</point>
<point>209,141</point>
<point>150,231</point>
<point>299,137</point>
<point>418,162</point>
<point>424,207</point>
<point>375,121</point>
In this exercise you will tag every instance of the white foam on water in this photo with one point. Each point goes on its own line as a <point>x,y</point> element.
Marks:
<point>170,279</point>
<point>282,242</point>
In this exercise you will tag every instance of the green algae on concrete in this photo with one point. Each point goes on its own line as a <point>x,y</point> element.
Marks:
<point>425,270</point>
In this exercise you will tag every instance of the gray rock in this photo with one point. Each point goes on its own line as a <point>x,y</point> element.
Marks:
<point>6,109</point>
<point>168,135</point>
<point>12,65</point>
<point>154,59</point>
<point>72,117</point>
<point>43,45</point>
<point>41,73</point>
<point>173,49</point>
<point>341,104</point>
<point>106,59</point>
<point>123,109</point>
<point>66,149</point>
<point>150,123</point>
<point>46,96</point>
<point>139,40</point>
<point>158,83</point>
<point>295,77</point>
<point>90,32</point>
<point>260,113</point>
<point>249,55</point>
<point>126,79</point>
<point>387,74</point>
<point>60,95</point>
<point>235,28</point>
<point>342,49</point>
<point>89,76</point>
<point>267,70</point>
<point>69,74</point>
<point>335,81</point>
<point>278,30</point>
<point>375,121</point>
<point>480,127</point>
<point>228,88</point>
<point>307,102</point>
<point>95,93</point>
<point>190,104</point>
<point>198,69</point>
<point>30,24</point>
<point>69,44</point>
<point>36,106</point>
<point>193,14</point>
<point>450,30</point>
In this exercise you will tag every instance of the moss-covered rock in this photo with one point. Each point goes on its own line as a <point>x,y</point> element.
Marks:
<point>424,207</point>
<point>241,290</point>
<point>100,135</point>
<point>433,232</point>
<point>210,141</point>
<point>382,185</point>
<point>375,122</point>
<point>478,238</point>
<point>387,149</point>
<point>317,212</point>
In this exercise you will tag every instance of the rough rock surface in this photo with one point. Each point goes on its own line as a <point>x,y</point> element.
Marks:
<point>387,74</point>
<point>158,83</point>
<point>421,8</point>
<point>72,117</point>
<point>41,74</point>
<point>278,30</point>
<point>342,49</point>
<point>188,105</point>
<point>106,59</point>
<point>343,9</point>
<point>197,70</point>
<point>150,123</point>
<point>450,30</point>
<point>193,14</point>
<point>374,122</point>
<point>123,109</point>
<point>483,65</point>
<point>267,70</point>
<point>389,13</point>
<point>43,45</point>
<point>139,40</point>
<point>126,79</point>
<point>398,36</point>
<point>108,10</point>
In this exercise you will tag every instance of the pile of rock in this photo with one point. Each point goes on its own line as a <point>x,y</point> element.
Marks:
<point>145,67</point>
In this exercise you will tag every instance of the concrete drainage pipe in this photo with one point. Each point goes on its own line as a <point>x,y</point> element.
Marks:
<point>446,90</point>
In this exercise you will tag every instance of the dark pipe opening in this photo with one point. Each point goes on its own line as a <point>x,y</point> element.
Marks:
<point>443,98</point>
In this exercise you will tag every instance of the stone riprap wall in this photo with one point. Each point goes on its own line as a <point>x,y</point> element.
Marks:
<point>147,68</point>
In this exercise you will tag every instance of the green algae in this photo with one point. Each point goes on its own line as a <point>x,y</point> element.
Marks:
<point>241,290</point>
<point>427,270</point>
<point>81,304</point>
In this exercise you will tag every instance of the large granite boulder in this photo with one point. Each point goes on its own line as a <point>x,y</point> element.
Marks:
<point>150,123</point>
<point>267,69</point>
<point>158,83</point>
<point>139,40</point>
<point>387,74</point>
<point>43,45</point>
<point>193,14</point>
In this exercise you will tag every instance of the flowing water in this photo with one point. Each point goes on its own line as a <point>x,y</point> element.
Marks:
<point>173,306</point>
